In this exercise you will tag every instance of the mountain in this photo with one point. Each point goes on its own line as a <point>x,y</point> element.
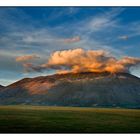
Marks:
<point>1,87</point>
<point>81,89</point>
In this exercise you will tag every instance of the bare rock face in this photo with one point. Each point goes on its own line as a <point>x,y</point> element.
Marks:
<point>81,89</point>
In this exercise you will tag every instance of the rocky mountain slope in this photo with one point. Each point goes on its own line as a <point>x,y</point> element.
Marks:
<point>81,89</point>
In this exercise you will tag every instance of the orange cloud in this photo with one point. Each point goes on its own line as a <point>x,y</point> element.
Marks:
<point>26,58</point>
<point>79,60</point>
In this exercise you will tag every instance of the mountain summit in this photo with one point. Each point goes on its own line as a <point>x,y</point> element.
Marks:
<point>79,89</point>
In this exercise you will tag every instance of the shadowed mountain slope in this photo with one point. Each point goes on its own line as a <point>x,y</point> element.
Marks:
<point>1,87</point>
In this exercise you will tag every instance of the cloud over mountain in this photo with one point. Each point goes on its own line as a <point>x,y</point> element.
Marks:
<point>80,60</point>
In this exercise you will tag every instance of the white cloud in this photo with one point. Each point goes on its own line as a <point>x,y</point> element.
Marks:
<point>124,37</point>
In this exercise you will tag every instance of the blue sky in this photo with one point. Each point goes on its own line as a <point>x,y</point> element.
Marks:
<point>43,30</point>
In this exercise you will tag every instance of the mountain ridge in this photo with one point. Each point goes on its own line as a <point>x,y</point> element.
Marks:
<point>96,74</point>
<point>1,87</point>
<point>75,89</point>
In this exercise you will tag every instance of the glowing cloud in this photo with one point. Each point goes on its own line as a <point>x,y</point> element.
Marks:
<point>26,58</point>
<point>79,60</point>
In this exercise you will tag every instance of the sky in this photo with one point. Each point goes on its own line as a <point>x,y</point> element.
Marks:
<point>33,33</point>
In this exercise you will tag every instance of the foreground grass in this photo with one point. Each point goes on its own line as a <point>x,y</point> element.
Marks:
<point>40,119</point>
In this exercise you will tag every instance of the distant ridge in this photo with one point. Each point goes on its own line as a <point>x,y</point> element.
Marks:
<point>1,87</point>
<point>75,89</point>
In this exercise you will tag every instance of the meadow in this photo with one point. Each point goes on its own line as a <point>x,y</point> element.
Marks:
<point>44,119</point>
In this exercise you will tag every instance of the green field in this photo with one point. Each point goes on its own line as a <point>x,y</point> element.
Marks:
<point>41,119</point>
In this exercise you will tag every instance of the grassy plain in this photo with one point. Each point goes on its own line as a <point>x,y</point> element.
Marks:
<point>44,119</point>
